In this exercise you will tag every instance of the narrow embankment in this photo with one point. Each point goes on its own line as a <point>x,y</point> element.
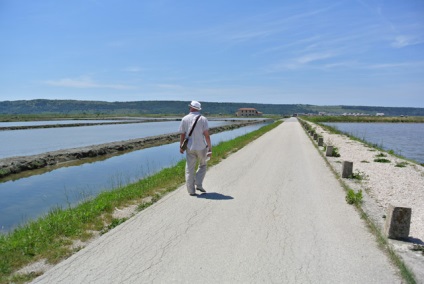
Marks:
<point>394,181</point>
<point>14,165</point>
<point>76,124</point>
<point>273,212</point>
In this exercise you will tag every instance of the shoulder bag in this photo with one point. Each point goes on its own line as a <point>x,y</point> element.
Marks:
<point>185,142</point>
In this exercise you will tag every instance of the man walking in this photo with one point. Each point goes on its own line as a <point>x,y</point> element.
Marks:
<point>199,147</point>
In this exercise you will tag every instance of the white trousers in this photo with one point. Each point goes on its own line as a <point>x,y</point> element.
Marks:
<point>195,178</point>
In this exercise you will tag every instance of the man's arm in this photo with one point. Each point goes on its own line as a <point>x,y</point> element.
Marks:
<point>208,140</point>
<point>182,137</point>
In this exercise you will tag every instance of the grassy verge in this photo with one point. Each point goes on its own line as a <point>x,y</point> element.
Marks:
<point>51,237</point>
<point>383,242</point>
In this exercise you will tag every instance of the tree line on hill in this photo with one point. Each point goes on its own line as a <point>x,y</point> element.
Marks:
<point>75,107</point>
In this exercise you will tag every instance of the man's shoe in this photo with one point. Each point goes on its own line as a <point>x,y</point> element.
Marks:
<point>193,194</point>
<point>200,189</point>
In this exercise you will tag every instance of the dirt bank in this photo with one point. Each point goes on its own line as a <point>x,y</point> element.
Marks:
<point>23,127</point>
<point>15,165</point>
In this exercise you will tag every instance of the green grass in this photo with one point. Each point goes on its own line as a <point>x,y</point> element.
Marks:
<point>353,197</point>
<point>358,175</point>
<point>401,164</point>
<point>50,237</point>
<point>381,160</point>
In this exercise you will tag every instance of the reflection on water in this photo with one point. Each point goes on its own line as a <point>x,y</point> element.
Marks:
<point>33,196</point>
<point>404,139</point>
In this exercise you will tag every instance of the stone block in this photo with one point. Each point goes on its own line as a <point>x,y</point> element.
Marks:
<point>329,151</point>
<point>398,222</point>
<point>347,169</point>
<point>315,136</point>
<point>320,141</point>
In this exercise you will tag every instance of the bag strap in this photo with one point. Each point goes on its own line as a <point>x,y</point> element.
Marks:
<point>194,125</point>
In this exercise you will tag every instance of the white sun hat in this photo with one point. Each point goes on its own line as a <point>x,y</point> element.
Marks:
<point>195,105</point>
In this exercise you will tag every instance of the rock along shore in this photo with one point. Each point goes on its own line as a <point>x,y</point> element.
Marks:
<point>15,165</point>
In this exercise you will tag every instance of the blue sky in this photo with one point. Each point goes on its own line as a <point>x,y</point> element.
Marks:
<point>353,52</point>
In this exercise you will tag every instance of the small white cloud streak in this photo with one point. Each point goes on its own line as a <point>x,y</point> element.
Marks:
<point>305,61</point>
<point>133,69</point>
<point>308,58</point>
<point>395,65</point>
<point>84,83</point>
<point>404,41</point>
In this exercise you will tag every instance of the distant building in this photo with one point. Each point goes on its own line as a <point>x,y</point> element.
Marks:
<point>248,112</point>
<point>379,114</point>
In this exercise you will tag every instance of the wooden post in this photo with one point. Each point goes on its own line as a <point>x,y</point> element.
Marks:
<point>398,221</point>
<point>329,151</point>
<point>347,169</point>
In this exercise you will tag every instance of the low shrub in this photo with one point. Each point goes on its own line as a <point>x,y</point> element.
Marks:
<point>381,160</point>
<point>353,197</point>
<point>401,164</point>
<point>335,152</point>
<point>358,175</point>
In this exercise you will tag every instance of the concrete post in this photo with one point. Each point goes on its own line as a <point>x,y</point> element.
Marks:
<point>398,221</point>
<point>320,141</point>
<point>347,169</point>
<point>329,151</point>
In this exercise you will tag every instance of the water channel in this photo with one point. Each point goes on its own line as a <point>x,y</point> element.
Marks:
<point>31,197</point>
<point>36,141</point>
<point>56,122</point>
<point>405,139</point>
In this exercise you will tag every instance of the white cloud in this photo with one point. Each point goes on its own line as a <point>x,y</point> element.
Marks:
<point>84,83</point>
<point>403,41</point>
<point>301,62</point>
<point>133,69</point>
<point>308,58</point>
<point>396,65</point>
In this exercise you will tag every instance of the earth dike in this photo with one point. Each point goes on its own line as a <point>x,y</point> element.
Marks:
<point>15,165</point>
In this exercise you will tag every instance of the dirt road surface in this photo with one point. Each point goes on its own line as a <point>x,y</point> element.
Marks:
<point>273,213</point>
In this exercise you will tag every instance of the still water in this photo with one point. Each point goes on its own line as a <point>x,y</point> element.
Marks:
<point>31,197</point>
<point>55,122</point>
<point>404,139</point>
<point>36,141</point>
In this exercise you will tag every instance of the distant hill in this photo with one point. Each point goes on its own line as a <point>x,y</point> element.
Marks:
<point>72,107</point>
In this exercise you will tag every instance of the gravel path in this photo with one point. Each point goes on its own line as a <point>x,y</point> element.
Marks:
<point>384,182</point>
<point>274,213</point>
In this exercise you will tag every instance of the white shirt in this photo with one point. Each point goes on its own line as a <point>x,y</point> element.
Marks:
<point>197,139</point>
